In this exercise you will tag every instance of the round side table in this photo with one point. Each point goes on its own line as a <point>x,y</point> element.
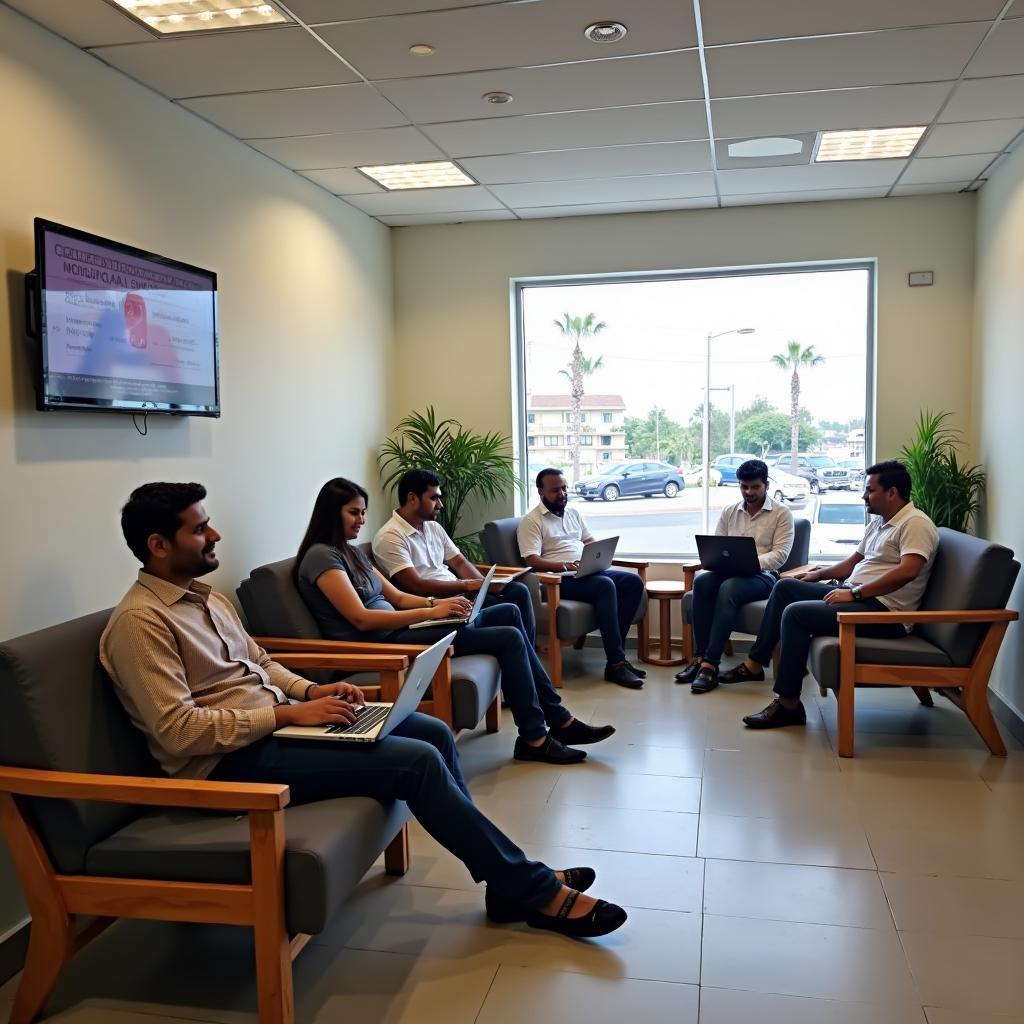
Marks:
<point>664,592</point>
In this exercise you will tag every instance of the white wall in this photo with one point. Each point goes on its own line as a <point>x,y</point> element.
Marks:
<point>998,379</point>
<point>305,331</point>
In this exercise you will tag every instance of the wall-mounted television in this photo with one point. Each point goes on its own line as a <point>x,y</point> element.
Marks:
<point>120,329</point>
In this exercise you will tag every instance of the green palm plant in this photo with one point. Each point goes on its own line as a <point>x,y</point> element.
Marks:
<point>575,328</point>
<point>948,491</point>
<point>794,359</point>
<point>469,465</point>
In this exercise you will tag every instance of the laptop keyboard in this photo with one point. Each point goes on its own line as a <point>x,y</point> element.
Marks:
<point>367,718</point>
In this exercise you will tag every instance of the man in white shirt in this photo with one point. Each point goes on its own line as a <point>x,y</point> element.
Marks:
<point>888,572</point>
<point>717,599</point>
<point>551,538</point>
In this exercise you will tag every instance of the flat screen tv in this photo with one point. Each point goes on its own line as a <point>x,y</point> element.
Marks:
<point>120,329</point>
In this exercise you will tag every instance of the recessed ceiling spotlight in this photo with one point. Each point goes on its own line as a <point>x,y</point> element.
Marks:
<point>426,174</point>
<point>869,144</point>
<point>421,49</point>
<point>605,31</point>
<point>498,98</point>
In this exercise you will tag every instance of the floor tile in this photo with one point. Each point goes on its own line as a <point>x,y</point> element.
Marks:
<point>641,759</point>
<point>805,765</point>
<point>936,1015</point>
<point>523,994</point>
<point>827,797</point>
<point>975,853</point>
<point>729,1006</point>
<point>617,828</point>
<point>620,789</point>
<point>820,961</point>
<point>966,906</point>
<point>788,892</point>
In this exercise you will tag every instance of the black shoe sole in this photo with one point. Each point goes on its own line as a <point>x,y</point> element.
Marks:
<point>549,759</point>
<point>704,689</point>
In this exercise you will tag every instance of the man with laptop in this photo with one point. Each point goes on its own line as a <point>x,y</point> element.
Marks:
<point>552,538</point>
<point>210,701</point>
<point>752,540</point>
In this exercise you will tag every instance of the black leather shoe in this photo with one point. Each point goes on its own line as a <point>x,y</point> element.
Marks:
<point>551,751</point>
<point>688,674</point>
<point>580,732</point>
<point>705,680</point>
<point>775,716</point>
<point>636,670</point>
<point>741,674</point>
<point>604,918</point>
<point>503,910</point>
<point>623,675</point>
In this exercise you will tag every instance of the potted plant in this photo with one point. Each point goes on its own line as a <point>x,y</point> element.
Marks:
<point>469,465</point>
<point>948,491</point>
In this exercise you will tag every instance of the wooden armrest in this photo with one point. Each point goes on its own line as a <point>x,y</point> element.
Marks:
<point>910,618</point>
<point>499,570</point>
<point>275,645</point>
<point>345,662</point>
<point>628,563</point>
<point>692,566</point>
<point>798,569</point>
<point>130,789</point>
<point>550,579</point>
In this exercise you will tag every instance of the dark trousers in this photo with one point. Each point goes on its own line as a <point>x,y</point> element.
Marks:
<point>716,603</point>
<point>518,594</point>
<point>795,615</point>
<point>615,596</point>
<point>417,763</point>
<point>499,631</point>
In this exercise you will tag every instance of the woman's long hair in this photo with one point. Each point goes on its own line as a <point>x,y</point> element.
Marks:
<point>326,527</point>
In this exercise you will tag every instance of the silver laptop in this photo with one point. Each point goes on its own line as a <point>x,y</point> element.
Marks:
<point>597,556</point>
<point>376,720</point>
<point>730,556</point>
<point>462,620</point>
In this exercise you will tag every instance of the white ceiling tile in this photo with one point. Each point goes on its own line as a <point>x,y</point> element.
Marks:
<point>606,190</point>
<point>851,174</point>
<point>874,58</point>
<point>945,168</point>
<point>631,80</point>
<point>270,115</point>
<point>314,11</point>
<point>1017,10</point>
<point>983,99</point>
<point>242,61</point>
<point>892,105</point>
<point>659,122</point>
<point>505,35</point>
<point>930,189</point>
<point>83,22</point>
<point>399,220</point>
<point>731,21</point>
<point>810,196</point>
<point>352,149</point>
<point>972,137</point>
<point>601,209</point>
<point>343,181</point>
<point>1003,52</point>
<point>427,200</point>
<point>610,161</point>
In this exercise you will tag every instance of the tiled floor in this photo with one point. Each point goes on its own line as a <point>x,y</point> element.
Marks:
<point>766,881</point>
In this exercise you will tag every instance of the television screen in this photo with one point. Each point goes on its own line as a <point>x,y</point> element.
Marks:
<point>122,329</point>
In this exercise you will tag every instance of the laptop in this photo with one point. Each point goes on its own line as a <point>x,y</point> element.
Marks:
<point>462,620</point>
<point>597,556</point>
<point>375,720</point>
<point>730,556</point>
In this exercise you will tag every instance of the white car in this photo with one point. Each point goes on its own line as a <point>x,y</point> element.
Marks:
<point>837,526</point>
<point>696,476</point>
<point>787,488</point>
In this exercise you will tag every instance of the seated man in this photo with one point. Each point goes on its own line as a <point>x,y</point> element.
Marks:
<point>418,556</point>
<point>888,572</point>
<point>551,538</point>
<point>209,699</point>
<point>717,598</point>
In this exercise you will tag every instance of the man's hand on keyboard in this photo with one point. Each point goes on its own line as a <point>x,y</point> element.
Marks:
<point>321,711</point>
<point>346,691</point>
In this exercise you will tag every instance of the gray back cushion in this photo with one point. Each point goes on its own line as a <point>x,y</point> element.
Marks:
<point>969,574</point>
<point>60,713</point>
<point>801,550</point>
<point>500,543</point>
<point>273,605</point>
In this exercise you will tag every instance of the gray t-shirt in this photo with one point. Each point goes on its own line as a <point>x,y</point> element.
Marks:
<point>333,625</point>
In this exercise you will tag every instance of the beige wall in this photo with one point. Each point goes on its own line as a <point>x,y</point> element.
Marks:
<point>305,334</point>
<point>452,314</point>
<point>998,378</point>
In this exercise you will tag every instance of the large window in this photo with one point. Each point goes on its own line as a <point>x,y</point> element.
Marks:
<point>786,351</point>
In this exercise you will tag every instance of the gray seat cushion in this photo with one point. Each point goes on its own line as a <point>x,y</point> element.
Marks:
<point>908,650</point>
<point>747,621</point>
<point>330,845</point>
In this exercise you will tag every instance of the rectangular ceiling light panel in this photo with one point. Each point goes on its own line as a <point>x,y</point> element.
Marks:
<point>428,174</point>
<point>869,144</point>
<point>172,16</point>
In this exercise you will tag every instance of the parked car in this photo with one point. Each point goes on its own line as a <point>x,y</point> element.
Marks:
<point>696,475</point>
<point>728,464</point>
<point>786,488</point>
<point>821,472</point>
<point>837,526</point>
<point>856,468</point>
<point>627,479</point>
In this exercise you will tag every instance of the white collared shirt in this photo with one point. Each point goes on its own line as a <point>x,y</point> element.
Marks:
<point>771,527</point>
<point>558,538</point>
<point>399,545</point>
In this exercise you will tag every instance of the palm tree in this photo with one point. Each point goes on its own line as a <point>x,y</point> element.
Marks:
<point>576,328</point>
<point>794,359</point>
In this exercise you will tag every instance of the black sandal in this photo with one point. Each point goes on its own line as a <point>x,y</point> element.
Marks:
<point>602,919</point>
<point>741,674</point>
<point>503,910</point>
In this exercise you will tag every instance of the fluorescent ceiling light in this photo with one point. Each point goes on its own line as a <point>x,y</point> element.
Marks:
<point>173,16</point>
<point>428,174</point>
<point>869,144</point>
<point>765,147</point>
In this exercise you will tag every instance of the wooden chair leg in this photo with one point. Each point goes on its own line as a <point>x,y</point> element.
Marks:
<point>975,693</point>
<point>492,717</point>
<point>924,695</point>
<point>554,657</point>
<point>579,643</point>
<point>847,662</point>
<point>396,853</point>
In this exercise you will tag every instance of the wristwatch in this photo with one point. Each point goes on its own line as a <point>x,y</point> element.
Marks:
<point>856,591</point>
<point>430,602</point>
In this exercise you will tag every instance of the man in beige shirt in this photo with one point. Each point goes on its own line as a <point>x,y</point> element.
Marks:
<point>209,699</point>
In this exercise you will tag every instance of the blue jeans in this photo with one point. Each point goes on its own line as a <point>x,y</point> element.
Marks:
<point>417,763</point>
<point>499,631</point>
<point>615,596</point>
<point>795,615</point>
<point>518,594</point>
<point>716,603</point>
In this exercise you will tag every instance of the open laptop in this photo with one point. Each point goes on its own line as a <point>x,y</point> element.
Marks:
<point>730,556</point>
<point>462,620</point>
<point>597,556</point>
<point>376,720</point>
